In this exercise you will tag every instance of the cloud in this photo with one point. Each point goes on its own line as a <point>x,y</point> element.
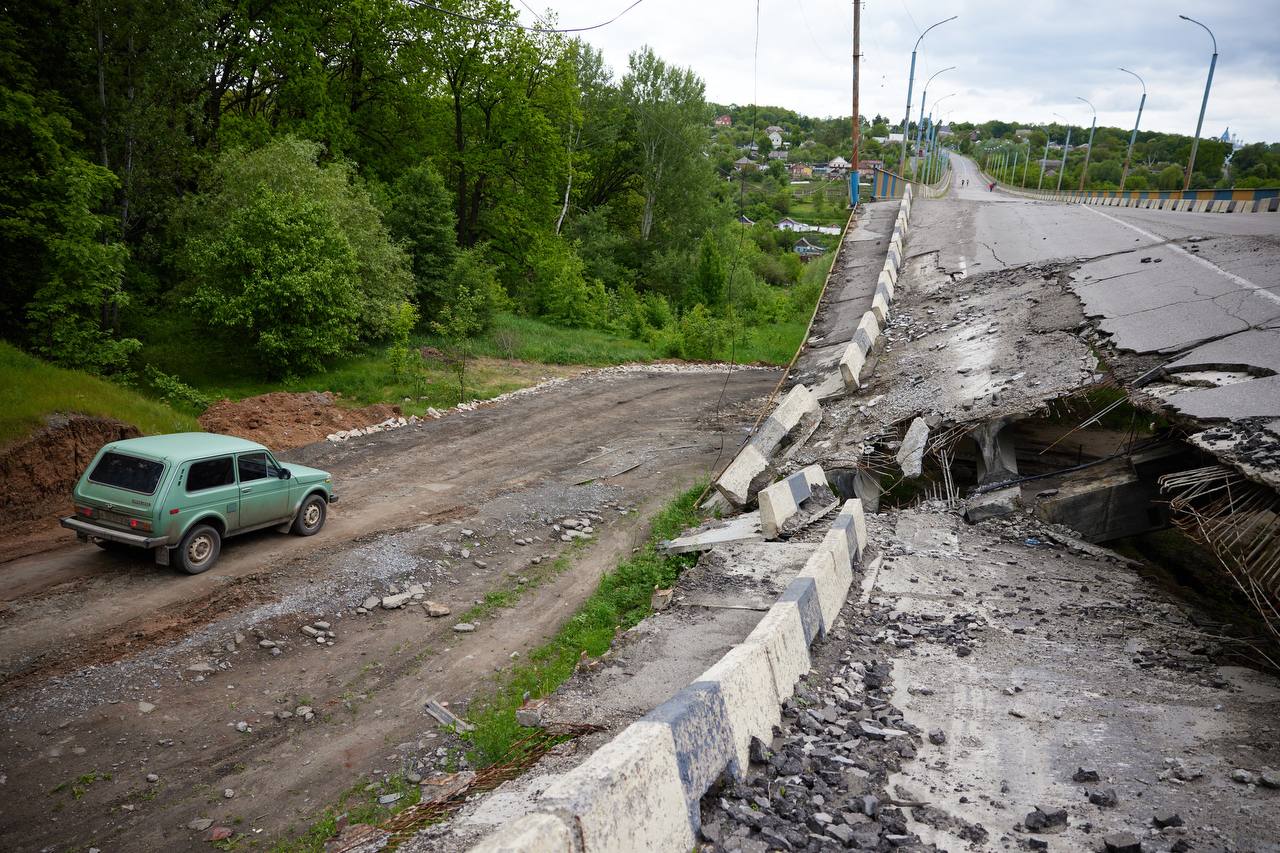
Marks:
<point>1016,61</point>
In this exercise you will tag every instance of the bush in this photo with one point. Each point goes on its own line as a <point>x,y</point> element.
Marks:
<point>174,391</point>
<point>701,334</point>
<point>421,218</point>
<point>281,274</point>
<point>565,296</point>
<point>285,175</point>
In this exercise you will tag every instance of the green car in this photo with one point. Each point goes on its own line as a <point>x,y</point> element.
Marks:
<point>182,494</point>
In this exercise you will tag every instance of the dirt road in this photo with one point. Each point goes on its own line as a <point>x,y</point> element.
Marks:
<point>114,669</point>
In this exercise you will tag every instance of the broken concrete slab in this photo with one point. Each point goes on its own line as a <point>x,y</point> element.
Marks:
<point>997,461</point>
<point>911,454</point>
<point>740,528</point>
<point>738,480</point>
<point>992,504</point>
<point>782,500</point>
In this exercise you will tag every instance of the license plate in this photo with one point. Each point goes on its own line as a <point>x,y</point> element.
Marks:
<point>114,517</point>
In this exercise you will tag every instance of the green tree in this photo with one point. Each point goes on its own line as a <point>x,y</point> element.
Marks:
<point>710,279</point>
<point>1170,178</point>
<point>421,218</point>
<point>63,283</point>
<point>287,168</point>
<point>669,115</point>
<point>280,274</point>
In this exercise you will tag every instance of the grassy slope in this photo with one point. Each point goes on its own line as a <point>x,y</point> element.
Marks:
<point>30,389</point>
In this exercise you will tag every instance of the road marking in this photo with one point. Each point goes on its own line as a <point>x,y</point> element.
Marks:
<point>1261,291</point>
<point>963,267</point>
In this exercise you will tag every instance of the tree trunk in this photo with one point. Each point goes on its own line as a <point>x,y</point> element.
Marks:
<point>564,208</point>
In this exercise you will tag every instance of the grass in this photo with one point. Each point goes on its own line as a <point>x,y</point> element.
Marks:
<point>30,389</point>
<point>514,353</point>
<point>620,601</point>
<point>360,804</point>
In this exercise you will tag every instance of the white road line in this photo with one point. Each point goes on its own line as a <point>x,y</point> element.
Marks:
<point>1244,282</point>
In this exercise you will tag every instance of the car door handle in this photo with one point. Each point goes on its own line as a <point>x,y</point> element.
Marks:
<point>246,490</point>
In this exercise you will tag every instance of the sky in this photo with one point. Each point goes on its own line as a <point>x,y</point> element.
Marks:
<point>1016,61</point>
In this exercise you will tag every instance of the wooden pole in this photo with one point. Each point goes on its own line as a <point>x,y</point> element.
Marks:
<point>857,127</point>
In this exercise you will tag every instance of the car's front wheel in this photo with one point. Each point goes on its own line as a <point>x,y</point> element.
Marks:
<point>199,549</point>
<point>311,516</point>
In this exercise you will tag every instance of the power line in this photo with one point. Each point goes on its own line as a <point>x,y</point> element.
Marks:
<point>508,25</point>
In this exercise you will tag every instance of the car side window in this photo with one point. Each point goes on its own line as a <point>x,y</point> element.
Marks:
<point>255,466</point>
<point>210,473</point>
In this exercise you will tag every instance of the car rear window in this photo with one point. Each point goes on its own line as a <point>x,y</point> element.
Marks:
<point>127,472</point>
<point>210,473</point>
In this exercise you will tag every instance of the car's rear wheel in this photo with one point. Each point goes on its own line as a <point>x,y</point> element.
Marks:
<point>199,549</point>
<point>311,516</point>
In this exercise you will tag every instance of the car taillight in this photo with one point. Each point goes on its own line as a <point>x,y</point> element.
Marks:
<point>139,524</point>
<point>86,511</point>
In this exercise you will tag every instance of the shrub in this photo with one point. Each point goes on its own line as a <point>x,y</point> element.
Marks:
<point>421,218</point>
<point>701,334</point>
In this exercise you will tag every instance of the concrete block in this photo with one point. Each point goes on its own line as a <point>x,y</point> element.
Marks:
<point>880,307</point>
<point>821,569</point>
<point>867,332</point>
<point>887,281</point>
<point>751,698</point>
<point>533,833</point>
<point>798,402</point>
<point>735,482</point>
<point>892,271</point>
<point>852,522</point>
<point>803,591</point>
<point>782,500</point>
<point>781,634</point>
<point>836,543</point>
<point>911,454</point>
<point>851,364</point>
<point>628,795</point>
<point>703,739</point>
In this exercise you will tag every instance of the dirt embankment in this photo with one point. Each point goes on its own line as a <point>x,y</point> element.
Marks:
<point>39,472</point>
<point>282,420</point>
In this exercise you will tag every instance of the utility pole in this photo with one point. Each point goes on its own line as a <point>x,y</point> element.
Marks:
<point>1195,140</point>
<point>1066,149</point>
<point>1027,162</point>
<point>857,129</point>
<point>1040,182</point>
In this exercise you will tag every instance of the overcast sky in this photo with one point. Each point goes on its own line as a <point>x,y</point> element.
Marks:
<point>1017,61</point>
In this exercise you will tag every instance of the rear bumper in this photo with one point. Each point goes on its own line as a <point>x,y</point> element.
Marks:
<point>86,529</point>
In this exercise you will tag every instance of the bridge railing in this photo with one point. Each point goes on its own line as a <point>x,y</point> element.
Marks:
<point>1196,201</point>
<point>887,185</point>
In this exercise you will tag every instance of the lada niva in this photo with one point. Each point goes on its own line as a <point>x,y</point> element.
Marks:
<point>181,494</point>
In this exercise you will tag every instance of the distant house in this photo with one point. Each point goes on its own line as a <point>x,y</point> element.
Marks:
<point>744,164</point>
<point>838,163</point>
<point>865,166</point>
<point>775,139</point>
<point>789,224</point>
<point>773,128</point>
<point>895,137</point>
<point>1022,132</point>
<point>750,148</point>
<point>778,154</point>
<point>724,121</point>
<point>745,221</point>
<point>944,130</point>
<point>800,170</point>
<point>807,250</point>
<point>1047,166</point>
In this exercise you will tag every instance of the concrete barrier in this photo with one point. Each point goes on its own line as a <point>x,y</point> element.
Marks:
<point>641,791</point>
<point>753,459</point>
<point>782,500</point>
<point>851,364</point>
<point>867,332</point>
<point>880,307</point>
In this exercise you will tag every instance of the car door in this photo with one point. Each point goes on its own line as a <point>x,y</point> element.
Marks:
<point>264,497</point>
<point>210,484</point>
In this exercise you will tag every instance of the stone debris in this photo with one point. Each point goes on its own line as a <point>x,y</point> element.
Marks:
<point>464,627</point>
<point>145,707</point>
<point>911,454</point>
<point>660,599</point>
<point>1244,777</point>
<point>1041,820</point>
<point>1121,842</point>
<point>435,609</point>
<point>394,602</point>
<point>1105,799</point>
<point>1164,820</point>
<point>199,824</point>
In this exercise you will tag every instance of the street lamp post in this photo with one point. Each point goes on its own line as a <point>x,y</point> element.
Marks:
<point>924,95</point>
<point>906,116</point>
<point>1066,149</point>
<point>1124,173</point>
<point>1195,140</point>
<point>935,105</point>
<point>1026,162</point>
<point>1084,173</point>
<point>1040,181</point>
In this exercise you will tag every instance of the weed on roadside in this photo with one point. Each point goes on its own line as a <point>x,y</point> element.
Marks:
<point>620,601</point>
